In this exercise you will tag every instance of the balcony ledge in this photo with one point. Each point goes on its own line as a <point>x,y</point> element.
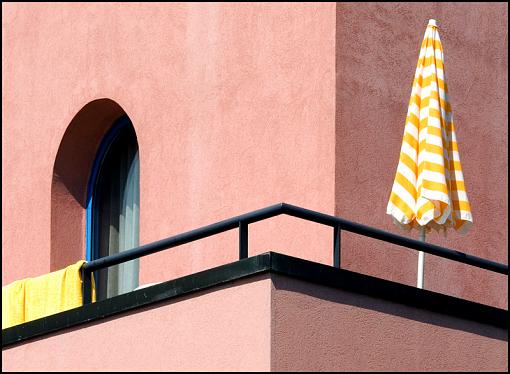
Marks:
<point>270,262</point>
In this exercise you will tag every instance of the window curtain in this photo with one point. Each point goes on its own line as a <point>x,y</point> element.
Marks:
<point>118,200</point>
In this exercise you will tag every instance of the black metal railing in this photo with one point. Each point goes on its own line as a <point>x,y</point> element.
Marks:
<point>241,222</point>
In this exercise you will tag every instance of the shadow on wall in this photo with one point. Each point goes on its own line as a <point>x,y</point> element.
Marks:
<point>71,171</point>
<point>331,296</point>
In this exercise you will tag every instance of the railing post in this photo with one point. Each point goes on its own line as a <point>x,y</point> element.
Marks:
<point>336,246</point>
<point>87,286</point>
<point>243,240</point>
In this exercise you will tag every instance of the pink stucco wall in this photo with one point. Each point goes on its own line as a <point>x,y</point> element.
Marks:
<point>233,106</point>
<point>236,107</point>
<point>226,328</point>
<point>377,47</point>
<point>317,328</point>
<point>240,106</point>
<point>268,323</point>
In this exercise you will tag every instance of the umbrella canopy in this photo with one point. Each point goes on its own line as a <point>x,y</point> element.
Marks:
<point>429,189</point>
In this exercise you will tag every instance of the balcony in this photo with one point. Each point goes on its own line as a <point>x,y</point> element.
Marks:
<point>269,312</point>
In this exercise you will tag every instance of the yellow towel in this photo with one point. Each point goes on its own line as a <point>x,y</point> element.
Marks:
<point>34,298</point>
<point>13,304</point>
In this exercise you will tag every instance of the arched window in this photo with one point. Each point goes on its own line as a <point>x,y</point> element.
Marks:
<point>113,208</point>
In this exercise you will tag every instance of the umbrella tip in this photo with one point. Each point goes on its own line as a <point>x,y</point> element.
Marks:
<point>433,22</point>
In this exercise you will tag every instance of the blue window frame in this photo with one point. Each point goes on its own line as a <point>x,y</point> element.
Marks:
<point>113,200</point>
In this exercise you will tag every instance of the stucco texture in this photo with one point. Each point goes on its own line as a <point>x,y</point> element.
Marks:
<point>269,323</point>
<point>317,328</point>
<point>233,107</point>
<point>237,107</point>
<point>193,333</point>
<point>377,47</point>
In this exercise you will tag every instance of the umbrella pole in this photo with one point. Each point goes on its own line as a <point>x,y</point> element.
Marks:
<point>421,260</point>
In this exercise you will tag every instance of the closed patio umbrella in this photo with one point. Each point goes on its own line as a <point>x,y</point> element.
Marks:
<point>429,191</point>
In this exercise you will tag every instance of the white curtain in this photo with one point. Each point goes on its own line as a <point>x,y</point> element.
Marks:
<point>118,202</point>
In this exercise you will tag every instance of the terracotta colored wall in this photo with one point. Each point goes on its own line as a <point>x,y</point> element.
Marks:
<point>317,328</point>
<point>233,105</point>
<point>377,48</point>
<point>195,333</point>
<point>236,107</point>
<point>269,323</point>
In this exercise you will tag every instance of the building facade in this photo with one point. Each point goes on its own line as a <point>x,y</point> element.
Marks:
<point>237,107</point>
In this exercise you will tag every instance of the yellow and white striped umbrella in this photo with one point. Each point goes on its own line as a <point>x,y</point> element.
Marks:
<point>429,189</point>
